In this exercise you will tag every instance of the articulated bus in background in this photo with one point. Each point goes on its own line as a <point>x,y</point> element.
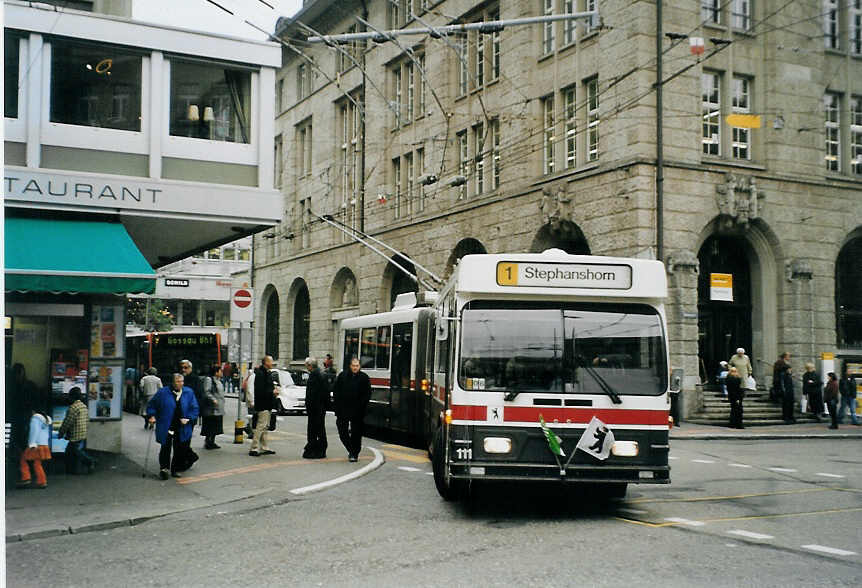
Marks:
<point>515,338</point>
<point>164,351</point>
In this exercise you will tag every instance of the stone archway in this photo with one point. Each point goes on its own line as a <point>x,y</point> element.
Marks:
<point>396,282</point>
<point>464,247</point>
<point>271,322</point>
<point>755,243</point>
<point>848,285</point>
<point>561,234</point>
<point>299,303</point>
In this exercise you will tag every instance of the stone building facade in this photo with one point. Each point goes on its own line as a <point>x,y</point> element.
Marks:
<point>551,129</point>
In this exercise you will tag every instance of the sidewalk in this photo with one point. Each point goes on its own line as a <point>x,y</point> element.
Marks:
<point>119,494</point>
<point>795,431</point>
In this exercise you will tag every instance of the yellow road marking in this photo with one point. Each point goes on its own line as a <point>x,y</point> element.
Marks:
<point>406,449</point>
<point>405,456</point>
<point>746,518</point>
<point>734,497</point>
<point>259,467</point>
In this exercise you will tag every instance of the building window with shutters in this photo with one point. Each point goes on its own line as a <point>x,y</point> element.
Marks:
<point>571,108</point>
<point>711,110</point>
<point>856,135</point>
<point>741,105</point>
<point>831,108</point>
<point>547,28</point>
<point>593,119</point>
<point>548,124</point>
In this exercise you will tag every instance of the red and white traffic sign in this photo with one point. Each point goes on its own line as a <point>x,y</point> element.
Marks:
<point>241,307</point>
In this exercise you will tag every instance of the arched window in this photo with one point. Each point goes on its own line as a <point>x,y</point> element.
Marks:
<point>301,323</point>
<point>848,301</point>
<point>271,327</point>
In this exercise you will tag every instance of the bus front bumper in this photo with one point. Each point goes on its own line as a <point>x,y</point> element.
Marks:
<point>526,472</point>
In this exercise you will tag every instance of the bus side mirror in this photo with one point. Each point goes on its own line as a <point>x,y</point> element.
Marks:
<point>676,377</point>
<point>441,332</point>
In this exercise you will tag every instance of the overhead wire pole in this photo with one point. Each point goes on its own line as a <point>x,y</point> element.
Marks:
<point>352,234</point>
<point>659,138</point>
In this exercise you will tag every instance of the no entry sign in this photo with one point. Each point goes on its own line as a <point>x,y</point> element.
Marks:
<point>241,307</point>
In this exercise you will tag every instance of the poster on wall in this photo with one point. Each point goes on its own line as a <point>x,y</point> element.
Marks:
<point>105,390</point>
<point>106,332</point>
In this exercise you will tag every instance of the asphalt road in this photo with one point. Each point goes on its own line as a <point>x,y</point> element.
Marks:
<point>738,513</point>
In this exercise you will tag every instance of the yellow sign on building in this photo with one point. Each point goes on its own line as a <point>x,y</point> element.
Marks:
<point>721,287</point>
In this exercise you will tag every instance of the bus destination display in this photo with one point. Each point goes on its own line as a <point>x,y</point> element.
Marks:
<point>564,275</point>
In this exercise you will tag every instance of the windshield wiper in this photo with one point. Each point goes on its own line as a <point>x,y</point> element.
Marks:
<point>511,394</point>
<point>606,388</point>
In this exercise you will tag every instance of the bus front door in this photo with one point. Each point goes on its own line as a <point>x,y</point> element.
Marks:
<point>403,400</point>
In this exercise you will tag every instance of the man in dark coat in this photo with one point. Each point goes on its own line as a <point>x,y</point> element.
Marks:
<point>316,399</point>
<point>352,393</point>
<point>173,409</point>
<point>265,392</point>
<point>788,397</point>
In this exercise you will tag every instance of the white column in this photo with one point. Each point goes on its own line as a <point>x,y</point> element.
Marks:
<point>265,121</point>
<point>156,91</point>
<point>36,50</point>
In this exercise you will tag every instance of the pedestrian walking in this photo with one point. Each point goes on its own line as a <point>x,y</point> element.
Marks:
<point>742,363</point>
<point>173,409</point>
<point>735,394</point>
<point>329,376</point>
<point>352,393</point>
<point>787,396</point>
<point>722,377</point>
<point>74,428</point>
<point>783,362</point>
<point>832,394</point>
<point>812,390</point>
<point>263,405</point>
<point>316,400</point>
<point>212,409</point>
<point>192,381</point>
<point>150,384</point>
<point>847,388</point>
<point>37,450</point>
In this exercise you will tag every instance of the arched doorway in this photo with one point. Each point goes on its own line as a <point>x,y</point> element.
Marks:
<point>396,282</point>
<point>464,247</point>
<point>301,321</point>
<point>270,338</point>
<point>724,315</point>
<point>848,300</point>
<point>561,234</point>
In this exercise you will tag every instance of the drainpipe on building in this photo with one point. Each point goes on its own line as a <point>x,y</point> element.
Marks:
<point>659,140</point>
<point>362,128</point>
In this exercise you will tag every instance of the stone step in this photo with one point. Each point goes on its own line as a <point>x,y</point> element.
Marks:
<point>745,421</point>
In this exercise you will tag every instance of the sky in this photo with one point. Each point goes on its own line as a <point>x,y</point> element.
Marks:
<point>203,16</point>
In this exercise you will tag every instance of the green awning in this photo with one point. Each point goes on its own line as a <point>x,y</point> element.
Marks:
<point>91,257</point>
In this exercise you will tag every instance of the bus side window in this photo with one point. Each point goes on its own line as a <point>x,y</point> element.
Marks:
<point>351,346</point>
<point>383,345</point>
<point>369,347</point>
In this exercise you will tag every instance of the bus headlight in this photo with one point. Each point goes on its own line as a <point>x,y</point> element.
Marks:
<point>625,448</point>
<point>497,445</point>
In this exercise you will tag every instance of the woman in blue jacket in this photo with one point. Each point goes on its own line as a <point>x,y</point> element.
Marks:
<point>173,409</point>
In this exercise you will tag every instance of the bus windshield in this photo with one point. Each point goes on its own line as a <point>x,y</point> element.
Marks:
<point>578,348</point>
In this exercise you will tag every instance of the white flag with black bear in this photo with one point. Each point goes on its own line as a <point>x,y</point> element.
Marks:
<point>597,440</point>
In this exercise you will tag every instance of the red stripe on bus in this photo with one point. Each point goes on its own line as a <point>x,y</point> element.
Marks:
<point>379,381</point>
<point>610,416</point>
<point>469,413</point>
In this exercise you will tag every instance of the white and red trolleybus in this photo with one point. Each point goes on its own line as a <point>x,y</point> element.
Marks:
<point>512,340</point>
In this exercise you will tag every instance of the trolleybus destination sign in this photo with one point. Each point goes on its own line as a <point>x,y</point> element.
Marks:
<point>564,275</point>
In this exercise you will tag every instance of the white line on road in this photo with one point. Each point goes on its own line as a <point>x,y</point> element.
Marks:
<point>632,510</point>
<point>429,473</point>
<point>788,470</point>
<point>375,463</point>
<point>703,461</point>
<point>673,457</point>
<point>825,475</point>
<point>749,534</point>
<point>409,469</point>
<point>685,521</point>
<point>830,550</point>
<point>739,465</point>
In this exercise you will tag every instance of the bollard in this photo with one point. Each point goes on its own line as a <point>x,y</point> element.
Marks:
<point>239,431</point>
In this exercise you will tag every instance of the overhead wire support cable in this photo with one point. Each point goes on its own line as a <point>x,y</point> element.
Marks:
<point>486,27</point>
<point>328,219</point>
<point>356,63</point>
<point>447,116</point>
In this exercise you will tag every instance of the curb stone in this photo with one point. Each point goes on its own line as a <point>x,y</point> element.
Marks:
<point>92,527</point>
<point>762,436</point>
<point>43,534</point>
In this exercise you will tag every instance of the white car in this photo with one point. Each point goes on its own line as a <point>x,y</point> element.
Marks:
<point>291,396</point>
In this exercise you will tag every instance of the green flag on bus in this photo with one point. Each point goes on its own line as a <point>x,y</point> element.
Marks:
<point>553,440</point>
